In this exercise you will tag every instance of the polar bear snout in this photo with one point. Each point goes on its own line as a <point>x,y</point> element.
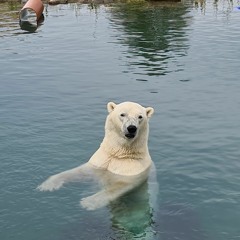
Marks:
<point>131,131</point>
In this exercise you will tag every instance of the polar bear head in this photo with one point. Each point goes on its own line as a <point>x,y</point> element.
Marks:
<point>128,121</point>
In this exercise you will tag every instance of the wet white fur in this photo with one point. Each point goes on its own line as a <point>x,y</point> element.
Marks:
<point>120,164</point>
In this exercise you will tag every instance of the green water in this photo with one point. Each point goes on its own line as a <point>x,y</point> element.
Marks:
<point>181,58</point>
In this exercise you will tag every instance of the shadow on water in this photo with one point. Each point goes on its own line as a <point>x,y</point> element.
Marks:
<point>155,35</point>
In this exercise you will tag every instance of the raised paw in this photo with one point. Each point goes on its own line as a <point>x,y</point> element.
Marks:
<point>51,184</point>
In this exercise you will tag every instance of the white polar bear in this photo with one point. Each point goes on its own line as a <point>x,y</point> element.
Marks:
<point>122,161</point>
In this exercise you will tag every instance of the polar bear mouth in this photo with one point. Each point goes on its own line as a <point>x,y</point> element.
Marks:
<point>130,135</point>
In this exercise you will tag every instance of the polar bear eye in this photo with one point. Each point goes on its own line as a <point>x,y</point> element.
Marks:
<point>140,117</point>
<point>122,114</point>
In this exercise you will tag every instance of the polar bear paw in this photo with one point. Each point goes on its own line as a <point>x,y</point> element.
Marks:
<point>51,184</point>
<point>93,202</point>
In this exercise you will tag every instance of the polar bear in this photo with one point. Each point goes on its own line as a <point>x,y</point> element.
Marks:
<point>122,161</point>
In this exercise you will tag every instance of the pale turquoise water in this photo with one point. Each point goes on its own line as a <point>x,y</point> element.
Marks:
<point>182,59</point>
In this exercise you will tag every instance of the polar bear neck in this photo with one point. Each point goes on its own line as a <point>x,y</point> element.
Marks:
<point>124,158</point>
<point>124,152</point>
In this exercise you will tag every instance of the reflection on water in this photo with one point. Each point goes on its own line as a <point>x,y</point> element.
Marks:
<point>219,6</point>
<point>156,36</point>
<point>8,17</point>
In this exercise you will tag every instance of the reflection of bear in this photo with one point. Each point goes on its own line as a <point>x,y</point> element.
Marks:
<point>122,161</point>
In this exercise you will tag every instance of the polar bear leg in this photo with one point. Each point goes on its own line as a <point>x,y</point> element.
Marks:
<point>56,181</point>
<point>105,196</point>
<point>95,201</point>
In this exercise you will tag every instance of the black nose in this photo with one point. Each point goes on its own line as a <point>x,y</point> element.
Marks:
<point>132,129</point>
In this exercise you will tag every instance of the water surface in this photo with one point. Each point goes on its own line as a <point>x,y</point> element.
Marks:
<point>180,58</point>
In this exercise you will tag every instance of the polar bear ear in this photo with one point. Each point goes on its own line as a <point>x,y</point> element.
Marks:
<point>111,106</point>
<point>149,111</point>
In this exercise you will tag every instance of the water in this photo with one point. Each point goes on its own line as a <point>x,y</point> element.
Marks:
<point>182,59</point>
